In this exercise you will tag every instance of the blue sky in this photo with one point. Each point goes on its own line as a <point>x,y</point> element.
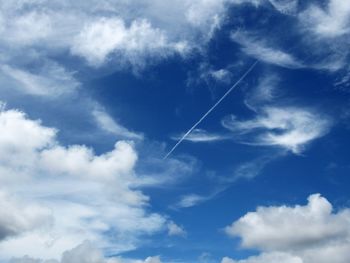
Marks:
<point>94,94</point>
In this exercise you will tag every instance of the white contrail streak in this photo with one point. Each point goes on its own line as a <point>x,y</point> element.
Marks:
<point>211,109</point>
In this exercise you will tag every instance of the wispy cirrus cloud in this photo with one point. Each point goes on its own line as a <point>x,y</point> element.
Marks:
<point>329,22</point>
<point>176,230</point>
<point>51,80</point>
<point>265,92</point>
<point>291,128</point>
<point>108,124</point>
<point>200,135</point>
<point>262,51</point>
<point>191,200</point>
<point>289,7</point>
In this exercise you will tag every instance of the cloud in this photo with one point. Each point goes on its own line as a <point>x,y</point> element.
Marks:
<point>153,260</point>
<point>175,230</point>
<point>319,33</point>
<point>199,135</point>
<point>85,253</point>
<point>251,169</point>
<point>275,257</point>
<point>87,195</point>
<point>50,80</point>
<point>263,93</point>
<point>303,233</point>
<point>264,52</point>
<point>221,75</point>
<point>289,7</point>
<point>290,128</point>
<point>329,22</point>
<point>17,218</point>
<point>118,32</point>
<point>110,35</point>
<point>324,32</point>
<point>211,76</point>
<point>191,200</point>
<point>108,124</point>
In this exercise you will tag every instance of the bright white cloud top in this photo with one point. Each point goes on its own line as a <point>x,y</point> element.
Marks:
<point>308,233</point>
<point>56,197</point>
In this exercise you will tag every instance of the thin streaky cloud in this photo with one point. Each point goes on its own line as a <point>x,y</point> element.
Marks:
<point>211,109</point>
<point>199,135</point>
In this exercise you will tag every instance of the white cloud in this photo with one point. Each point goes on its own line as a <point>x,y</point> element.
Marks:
<point>264,92</point>
<point>264,52</point>
<point>320,28</point>
<point>176,230</point>
<point>332,21</point>
<point>17,218</point>
<point>308,234</point>
<point>206,14</point>
<point>222,75</point>
<point>109,30</point>
<point>285,6</point>
<point>211,76</point>
<point>86,194</point>
<point>287,127</point>
<point>325,31</point>
<point>191,200</point>
<point>51,80</point>
<point>28,28</point>
<point>107,36</point>
<point>275,257</point>
<point>199,135</point>
<point>251,169</point>
<point>85,253</point>
<point>107,123</point>
<point>42,39</point>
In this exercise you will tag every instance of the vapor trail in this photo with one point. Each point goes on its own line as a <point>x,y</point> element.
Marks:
<point>211,109</point>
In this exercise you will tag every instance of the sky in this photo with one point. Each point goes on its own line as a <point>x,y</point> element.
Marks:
<point>150,131</point>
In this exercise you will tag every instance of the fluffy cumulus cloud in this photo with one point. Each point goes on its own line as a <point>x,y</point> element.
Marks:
<point>17,218</point>
<point>54,197</point>
<point>303,233</point>
<point>286,127</point>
